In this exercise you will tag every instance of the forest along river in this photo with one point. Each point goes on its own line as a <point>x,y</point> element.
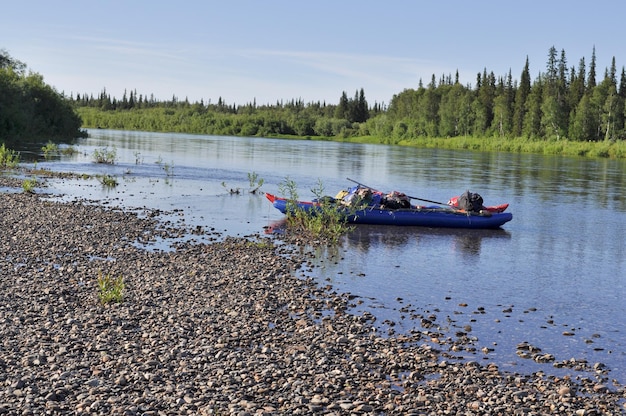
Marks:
<point>553,277</point>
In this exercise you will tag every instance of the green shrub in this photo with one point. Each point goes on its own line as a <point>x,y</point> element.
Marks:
<point>70,150</point>
<point>110,289</point>
<point>49,150</point>
<point>105,155</point>
<point>325,223</point>
<point>255,182</point>
<point>28,185</point>
<point>108,181</point>
<point>8,158</point>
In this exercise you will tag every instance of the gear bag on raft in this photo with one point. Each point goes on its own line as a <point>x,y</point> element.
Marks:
<point>469,201</point>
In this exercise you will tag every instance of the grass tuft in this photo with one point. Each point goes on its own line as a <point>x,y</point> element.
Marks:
<point>108,181</point>
<point>28,185</point>
<point>110,289</point>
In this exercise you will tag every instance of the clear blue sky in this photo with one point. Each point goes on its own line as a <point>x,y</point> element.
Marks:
<point>265,50</point>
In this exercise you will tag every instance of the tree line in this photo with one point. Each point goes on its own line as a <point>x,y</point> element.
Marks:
<point>140,112</point>
<point>31,110</point>
<point>562,102</point>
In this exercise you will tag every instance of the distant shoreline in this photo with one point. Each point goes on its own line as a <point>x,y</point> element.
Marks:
<point>569,148</point>
<point>600,150</point>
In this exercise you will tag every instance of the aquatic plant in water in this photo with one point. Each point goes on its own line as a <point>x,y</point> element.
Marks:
<point>105,155</point>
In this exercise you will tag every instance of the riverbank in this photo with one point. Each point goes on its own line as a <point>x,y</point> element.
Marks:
<point>563,147</point>
<point>606,149</point>
<point>223,328</point>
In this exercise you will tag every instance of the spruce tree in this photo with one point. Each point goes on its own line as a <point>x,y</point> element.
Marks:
<point>591,81</point>
<point>363,110</point>
<point>521,95</point>
<point>532,116</point>
<point>342,110</point>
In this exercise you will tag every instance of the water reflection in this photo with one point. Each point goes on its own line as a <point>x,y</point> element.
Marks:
<point>372,237</point>
<point>364,238</point>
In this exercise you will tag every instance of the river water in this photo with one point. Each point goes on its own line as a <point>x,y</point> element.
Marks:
<point>552,277</point>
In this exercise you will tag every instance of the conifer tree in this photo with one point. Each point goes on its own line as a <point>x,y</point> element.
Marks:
<point>521,95</point>
<point>591,81</point>
<point>620,116</point>
<point>577,85</point>
<point>486,88</point>
<point>532,117</point>
<point>342,110</point>
<point>363,112</point>
<point>430,114</point>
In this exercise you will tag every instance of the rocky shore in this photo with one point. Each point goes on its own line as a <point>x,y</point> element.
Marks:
<point>231,327</point>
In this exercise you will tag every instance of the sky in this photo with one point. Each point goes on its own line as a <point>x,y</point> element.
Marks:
<point>269,51</point>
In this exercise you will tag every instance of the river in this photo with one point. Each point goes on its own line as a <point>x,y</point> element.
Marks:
<point>552,277</point>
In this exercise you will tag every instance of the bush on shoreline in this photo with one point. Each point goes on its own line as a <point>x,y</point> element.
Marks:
<point>604,149</point>
<point>326,223</point>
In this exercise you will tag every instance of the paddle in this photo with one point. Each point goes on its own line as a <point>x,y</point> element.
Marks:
<point>409,196</point>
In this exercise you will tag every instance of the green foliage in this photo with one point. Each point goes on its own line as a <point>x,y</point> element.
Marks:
<point>105,155</point>
<point>30,109</point>
<point>327,223</point>
<point>28,185</point>
<point>232,191</point>
<point>110,289</point>
<point>9,159</point>
<point>289,189</point>
<point>69,150</point>
<point>255,182</point>
<point>108,181</point>
<point>604,149</point>
<point>291,119</point>
<point>261,244</point>
<point>50,149</point>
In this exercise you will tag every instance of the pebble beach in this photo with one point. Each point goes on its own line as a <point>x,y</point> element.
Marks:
<point>230,327</point>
